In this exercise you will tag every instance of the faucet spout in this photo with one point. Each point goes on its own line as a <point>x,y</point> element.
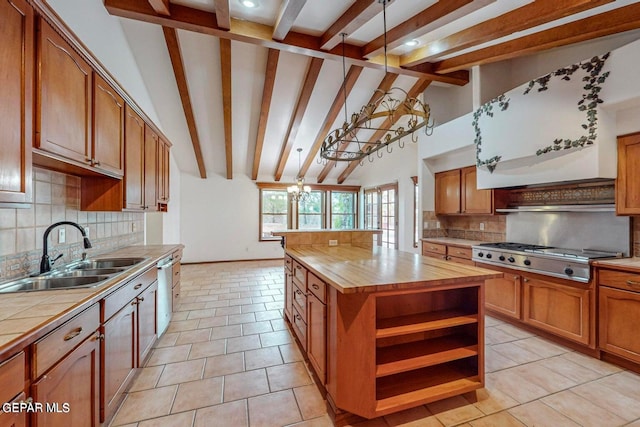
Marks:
<point>45,262</point>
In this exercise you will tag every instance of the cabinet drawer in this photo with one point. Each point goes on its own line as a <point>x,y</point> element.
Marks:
<point>434,247</point>
<point>457,252</point>
<point>300,301</point>
<point>177,256</point>
<point>300,275</point>
<point>317,287</point>
<point>118,299</point>
<point>288,262</point>
<point>300,327</point>
<point>176,274</point>
<point>17,418</point>
<point>619,279</point>
<point>12,377</point>
<point>175,299</point>
<point>62,340</point>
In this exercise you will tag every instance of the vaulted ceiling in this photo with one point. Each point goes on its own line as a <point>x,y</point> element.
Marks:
<point>240,89</point>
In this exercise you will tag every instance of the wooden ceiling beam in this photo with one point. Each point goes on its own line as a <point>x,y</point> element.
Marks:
<point>433,17</point>
<point>338,102</point>
<point>190,19</point>
<point>267,93</point>
<point>225,68</point>
<point>360,12</point>
<point>383,87</point>
<point>223,17</point>
<point>289,11</point>
<point>160,6</point>
<point>615,21</point>
<point>528,16</point>
<point>310,80</point>
<point>175,54</point>
<point>415,91</point>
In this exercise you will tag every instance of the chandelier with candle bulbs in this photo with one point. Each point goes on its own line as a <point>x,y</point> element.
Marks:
<point>299,192</point>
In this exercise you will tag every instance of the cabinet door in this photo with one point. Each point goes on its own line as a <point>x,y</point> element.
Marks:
<point>163,172</point>
<point>560,309</point>
<point>108,127</point>
<point>447,192</point>
<point>64,98</point>
<point>16,93</point>
<point>147,332</point>
<point>150,169</point>
<point>14,419</point>
<point>317,336</point>
<point>134,160</point>
<point>627,184</point>
<point>504,295</point>
<point>288,294</point>
<point>474,201</point>
<point>73,381</point>
<point>118,359</point>
<point>619,329</point>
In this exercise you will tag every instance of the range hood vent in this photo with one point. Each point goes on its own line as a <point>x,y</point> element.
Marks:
<point>562,208</point>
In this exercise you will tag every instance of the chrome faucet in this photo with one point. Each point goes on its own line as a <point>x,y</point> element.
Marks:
<point>45,262</point>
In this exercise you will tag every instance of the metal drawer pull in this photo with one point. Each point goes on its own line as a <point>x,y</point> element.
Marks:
<point>71,335</point>
<point>460,252</point>
<point>633,283</point>
<point>314,286</point>
<point>138,286</point>
<point>100,337</point>
<point>140,299</point>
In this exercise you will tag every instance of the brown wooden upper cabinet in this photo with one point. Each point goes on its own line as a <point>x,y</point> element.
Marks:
<point>627,184</point>
<point>16,93</point>
<point>134,160</point>
<point>63,119</point>
<point>164,147</point>
<point>456,192</point>
<point>151,144</point>
<point>108,127</point>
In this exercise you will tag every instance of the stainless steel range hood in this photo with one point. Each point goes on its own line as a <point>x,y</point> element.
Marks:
<point>609,207</point>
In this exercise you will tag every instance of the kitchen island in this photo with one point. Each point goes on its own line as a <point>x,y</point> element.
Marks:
<point>384,330</point>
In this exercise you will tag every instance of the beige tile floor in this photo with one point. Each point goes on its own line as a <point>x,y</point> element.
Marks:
<point>227,359</point>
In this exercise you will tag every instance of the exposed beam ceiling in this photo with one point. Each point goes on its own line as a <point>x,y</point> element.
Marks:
<point>267,92</point>
<point>415,91</point>
<point>334,110</point>
<point>415,26</point>
<point>223,17</point>
<point>355,17</point>
<point>191,19</point>
<point>160,6</point>
<point>225,68</point>
<point>612,22</point>
<point>298,113</point>
<point>522,18</point>
<point>289,11</point>
<point>175,54</point>
<point>383,87</point>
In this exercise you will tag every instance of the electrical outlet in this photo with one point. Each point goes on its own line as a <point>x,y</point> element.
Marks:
<point>133,227</point>
<point>86,231</point>
<point>62,235</point>
<point>333,243</point>
<point>438,224</point>
<point>482,226</point>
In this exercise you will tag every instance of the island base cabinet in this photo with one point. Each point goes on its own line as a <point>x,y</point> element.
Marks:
<point>429,345</point>
<point>504,295</point>
<point>317,336</point>
<point>71,387</point>
<point>619,327</point>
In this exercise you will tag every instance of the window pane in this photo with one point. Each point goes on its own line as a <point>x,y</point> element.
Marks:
<point>309,222</point>
<point>313,204</point>
<point>273,223</point>
<point>343,210</point>
<point>275,209</point>
<point>274,201</point>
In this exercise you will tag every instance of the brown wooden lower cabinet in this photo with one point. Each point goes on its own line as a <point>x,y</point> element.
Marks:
<point>453,253</point>
<point>504,295</point>
<point>317,335</point>
<point>14,419</point>
<point>146,322</point>
<point>73,386</point>
<point>558,308</point>
<point>619,320</point>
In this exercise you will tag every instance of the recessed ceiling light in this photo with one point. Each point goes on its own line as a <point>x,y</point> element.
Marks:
<point>249,3</point>
<point>412,43</point>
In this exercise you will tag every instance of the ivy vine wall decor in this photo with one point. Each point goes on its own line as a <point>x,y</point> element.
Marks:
<point>593,79</point>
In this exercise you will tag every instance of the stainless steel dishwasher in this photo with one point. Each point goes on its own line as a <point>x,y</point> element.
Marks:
<point>165,280</point>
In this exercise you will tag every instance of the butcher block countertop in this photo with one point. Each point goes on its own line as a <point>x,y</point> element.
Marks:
<point>627,264</point>
<point>352,269</point>
<point>27,316</point>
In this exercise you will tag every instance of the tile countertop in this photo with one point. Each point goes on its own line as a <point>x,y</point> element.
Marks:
<point>27,316</point>
<point>627,264</point>
<point>352,269</point>
<point>450,241</point>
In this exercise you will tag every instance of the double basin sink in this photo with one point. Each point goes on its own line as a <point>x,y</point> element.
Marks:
<point>81,274</point>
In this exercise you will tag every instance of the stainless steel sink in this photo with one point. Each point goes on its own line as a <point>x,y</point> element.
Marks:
<point>88,272</point>
<point>52,282</point>
<point>108,263</point>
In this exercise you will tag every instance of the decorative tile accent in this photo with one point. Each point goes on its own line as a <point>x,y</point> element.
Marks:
<point>591,193</point>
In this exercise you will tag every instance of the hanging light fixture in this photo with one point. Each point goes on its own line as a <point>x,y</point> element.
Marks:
<point>299,191</point>
<point>395,106</point>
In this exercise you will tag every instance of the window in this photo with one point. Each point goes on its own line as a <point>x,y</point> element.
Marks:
<point>381,211</point>
<point>343,208</point>
<point>328,207</point>
<point>274,212</point>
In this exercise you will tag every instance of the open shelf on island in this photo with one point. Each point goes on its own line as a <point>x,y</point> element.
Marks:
<point>411,356</point>
<point>422,322</point>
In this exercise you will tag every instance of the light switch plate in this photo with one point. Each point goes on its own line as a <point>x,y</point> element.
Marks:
<point>333,243</point>
<point>482,226</point>
<point>62,235</point>
<point>86,231</point>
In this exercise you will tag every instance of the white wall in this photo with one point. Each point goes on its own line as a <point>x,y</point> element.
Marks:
<point>219,220</point>
<point>398,166</point>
